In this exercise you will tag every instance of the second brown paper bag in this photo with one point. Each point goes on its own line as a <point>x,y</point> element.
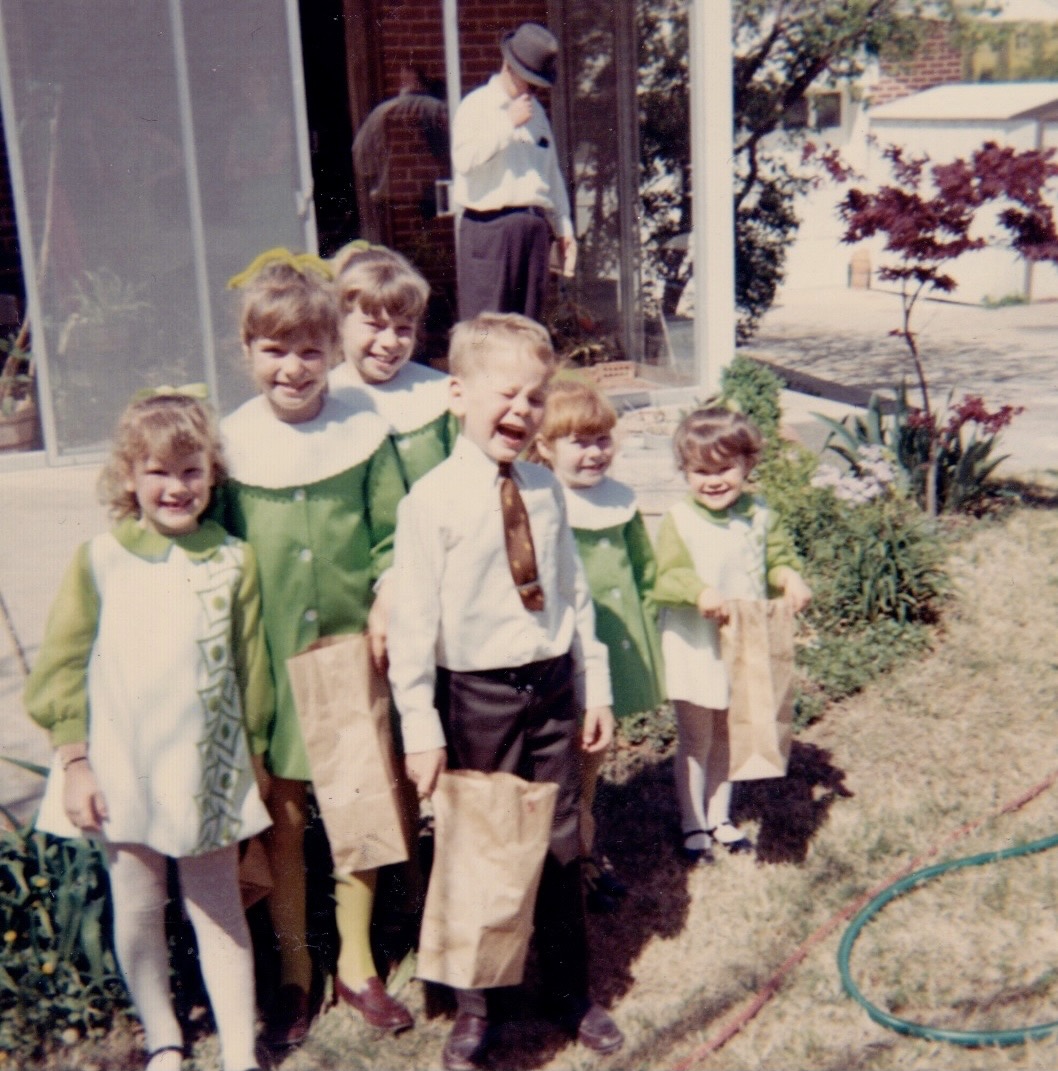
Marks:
<point>492,834</point>
<point>343,711</point>
<point>757,647</point>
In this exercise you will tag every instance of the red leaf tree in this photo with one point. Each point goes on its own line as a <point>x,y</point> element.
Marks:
<point>927,216</point>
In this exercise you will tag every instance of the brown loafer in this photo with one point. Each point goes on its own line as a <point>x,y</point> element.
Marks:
<point>465,1048</point>
<point>377,1007</point>
<point>292,1015</point>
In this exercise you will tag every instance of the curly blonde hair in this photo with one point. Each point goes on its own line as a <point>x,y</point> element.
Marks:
<point>163,425</point>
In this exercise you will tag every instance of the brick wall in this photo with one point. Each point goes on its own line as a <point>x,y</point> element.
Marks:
<point>939,61</point>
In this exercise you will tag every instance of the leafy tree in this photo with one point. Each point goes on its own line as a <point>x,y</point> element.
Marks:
<point>929,216</point>
<point>782,49</point>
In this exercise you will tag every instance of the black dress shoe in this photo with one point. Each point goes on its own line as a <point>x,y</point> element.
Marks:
<point>465,1048</point>
<point>591,1025</point>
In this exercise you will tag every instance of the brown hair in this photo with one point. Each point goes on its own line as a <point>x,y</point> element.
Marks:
<point>165,425</point>
<point>472,341</point>
<point>379,280</point>
<point>713,436</point>
<point>285,303</point>
<point>575,408</point>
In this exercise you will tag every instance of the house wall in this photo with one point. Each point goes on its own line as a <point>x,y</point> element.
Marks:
<point>938,61</point>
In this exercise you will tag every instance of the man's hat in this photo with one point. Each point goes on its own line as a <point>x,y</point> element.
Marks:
<point>531,51</point>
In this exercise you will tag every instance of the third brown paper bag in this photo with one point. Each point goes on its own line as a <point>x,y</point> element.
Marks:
<point>492,834</point>
<point>343,711</point>
<point>757,647</point>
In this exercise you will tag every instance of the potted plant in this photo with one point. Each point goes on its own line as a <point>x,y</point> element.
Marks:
<point>19,417</point>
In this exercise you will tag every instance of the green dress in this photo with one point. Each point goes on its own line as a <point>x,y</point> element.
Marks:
<point>318,503</point>
<point>619,563</point>
<point>415,405</point>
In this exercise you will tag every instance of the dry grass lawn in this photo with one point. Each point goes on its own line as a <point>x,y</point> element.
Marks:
<point>881,780</point>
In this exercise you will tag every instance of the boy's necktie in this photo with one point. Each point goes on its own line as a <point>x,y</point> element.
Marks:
<point>519,538</point>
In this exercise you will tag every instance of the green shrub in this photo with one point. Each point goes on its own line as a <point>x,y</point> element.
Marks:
<point>755,391</point>
<point>58,974</point>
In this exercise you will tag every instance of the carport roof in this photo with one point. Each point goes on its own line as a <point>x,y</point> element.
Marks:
<point>970,101</point>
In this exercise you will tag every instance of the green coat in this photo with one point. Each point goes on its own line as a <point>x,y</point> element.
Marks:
<point>318,503</point>
<point>619,563</point>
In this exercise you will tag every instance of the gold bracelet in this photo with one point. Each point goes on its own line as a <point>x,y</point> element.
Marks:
<point>77,758</point>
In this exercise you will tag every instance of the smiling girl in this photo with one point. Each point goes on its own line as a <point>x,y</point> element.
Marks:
<point>314,486</point>
<point>153,682</point>
<point>719,543</point>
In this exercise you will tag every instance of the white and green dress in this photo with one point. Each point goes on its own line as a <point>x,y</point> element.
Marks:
<point>318,503</point>
<point>619,563</point>
<point>154,654</point>
<point>415,405</point>
<point>736,551</point>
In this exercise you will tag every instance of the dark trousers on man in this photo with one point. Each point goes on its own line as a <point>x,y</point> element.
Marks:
<point>526,721</point>
<point>503,262</point>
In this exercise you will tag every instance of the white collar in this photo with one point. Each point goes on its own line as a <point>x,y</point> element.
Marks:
<point>414,397</point>
<point>266,452</point>
<point>606,505</point>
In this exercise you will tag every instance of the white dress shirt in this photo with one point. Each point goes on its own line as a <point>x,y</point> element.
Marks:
<point>454,602</point>
<point>498,165</point>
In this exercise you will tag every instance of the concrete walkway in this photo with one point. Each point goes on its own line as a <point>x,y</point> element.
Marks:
<point>1007,355</point>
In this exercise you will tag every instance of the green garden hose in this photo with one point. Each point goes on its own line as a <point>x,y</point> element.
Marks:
<point>905,1026</point>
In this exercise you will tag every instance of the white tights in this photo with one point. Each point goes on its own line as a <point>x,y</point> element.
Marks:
<point>702,755</point>
<point>209,887</point>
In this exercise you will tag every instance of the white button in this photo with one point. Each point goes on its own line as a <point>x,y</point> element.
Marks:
<point>299,495</point>
<point>626,645</point>
<point>604,542</point>
<point>305,555</point>
<point>311,615</point>
<point>615,593</point>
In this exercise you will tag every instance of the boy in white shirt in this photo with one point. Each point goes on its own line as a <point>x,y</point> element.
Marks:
<point>486,669</point>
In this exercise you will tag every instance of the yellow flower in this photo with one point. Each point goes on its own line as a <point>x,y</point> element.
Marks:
<point>10,937</point>
<point>39,882</point>
<point>48,967</point>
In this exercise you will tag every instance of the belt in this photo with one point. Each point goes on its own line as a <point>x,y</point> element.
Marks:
<point>499,213</point>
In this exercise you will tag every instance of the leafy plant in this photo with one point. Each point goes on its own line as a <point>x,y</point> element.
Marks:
<point>755,391</point>
<point>17,373</point>
<point>58,974</point>
<point>928,217</point>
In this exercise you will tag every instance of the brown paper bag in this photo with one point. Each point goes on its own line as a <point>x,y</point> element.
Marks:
<point>757,647</point>
<point>343,710</point>
<point>255,873</point>
<point>492,832</point>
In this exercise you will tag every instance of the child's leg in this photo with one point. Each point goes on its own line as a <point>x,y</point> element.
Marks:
<point>209,885</point>
<point>354,896</point>
<point>288,806</point>
<point>138,888</point>
<point>718,787</point>
<point>357,982</point>
<point>694,727</point>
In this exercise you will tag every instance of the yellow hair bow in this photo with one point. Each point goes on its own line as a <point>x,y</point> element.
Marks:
<point>198,391</point>
<point>302,263</point>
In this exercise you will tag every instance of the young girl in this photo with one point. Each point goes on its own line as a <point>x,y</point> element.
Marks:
<point>719,543</point>
<point>383,299</point>
<point>152,672</point>
<point>314,485</point>
<point>576,441</point>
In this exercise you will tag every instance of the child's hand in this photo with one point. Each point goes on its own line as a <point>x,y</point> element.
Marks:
<point>82,797</point>
<point>597,733</point>
<point>795,591</point>
<point>711,605</point>
<point>378,626</point>
<point>424,768</point>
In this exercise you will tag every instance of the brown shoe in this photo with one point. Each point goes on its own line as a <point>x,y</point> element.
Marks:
<point>465,1048</point>
<point>291,1018</point>
<point>592,1026</point>
<point>377,1007</point>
